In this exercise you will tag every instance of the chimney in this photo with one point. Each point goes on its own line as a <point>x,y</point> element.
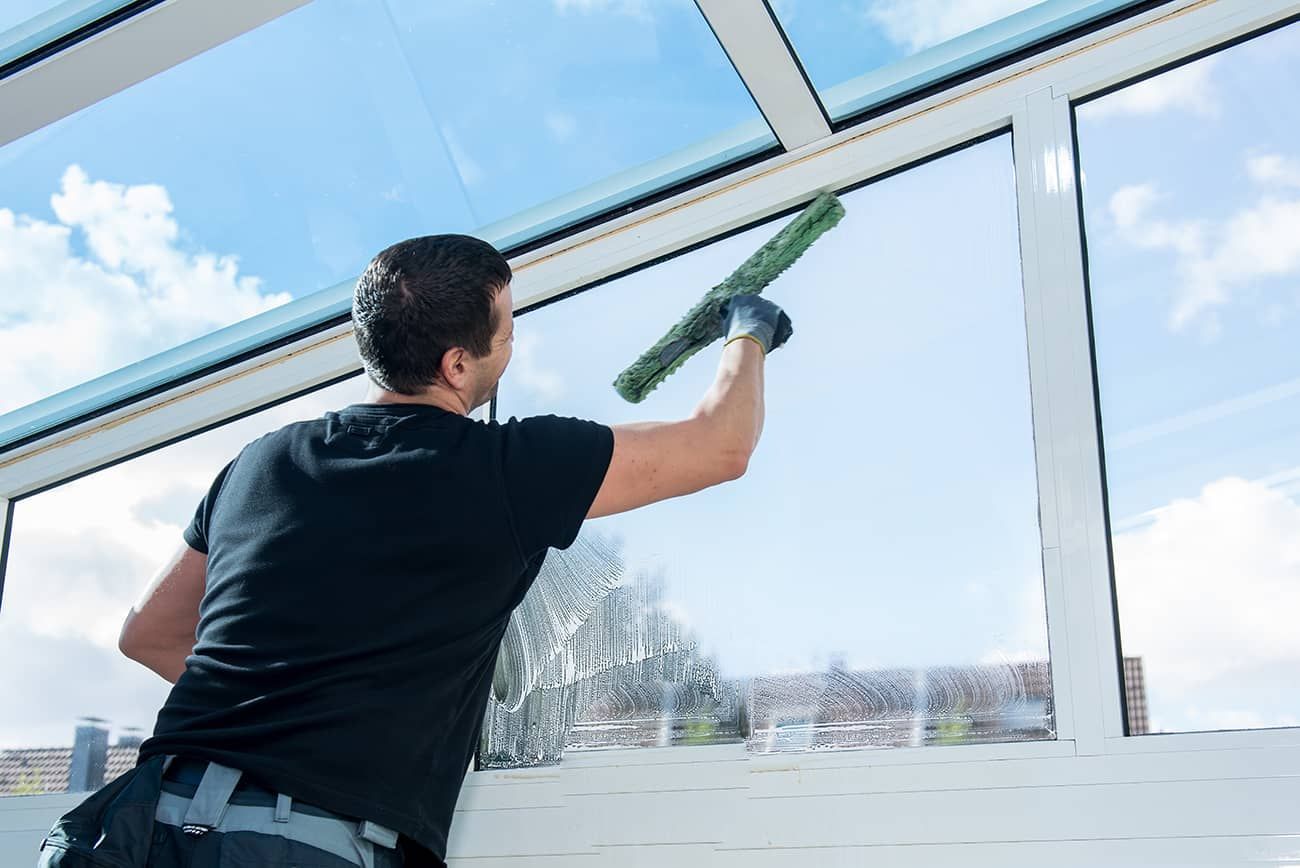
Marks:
<point>89,756</point>
<point>130,736</point>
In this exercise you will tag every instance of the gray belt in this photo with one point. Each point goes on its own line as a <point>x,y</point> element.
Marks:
<point>210,810</point>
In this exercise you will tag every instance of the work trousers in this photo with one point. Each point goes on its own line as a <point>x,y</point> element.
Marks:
<point>202,815</point>
<point>242,825</point>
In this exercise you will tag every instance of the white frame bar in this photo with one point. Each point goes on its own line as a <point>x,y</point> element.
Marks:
<point>766,63</point>
<point>1032,98</point>
<point>143,45</point>
<point>1061,367</point>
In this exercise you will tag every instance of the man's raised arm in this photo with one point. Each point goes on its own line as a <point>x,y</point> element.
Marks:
<point>653,461</point>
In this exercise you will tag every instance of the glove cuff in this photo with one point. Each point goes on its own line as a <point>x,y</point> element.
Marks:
<point>747,337</point>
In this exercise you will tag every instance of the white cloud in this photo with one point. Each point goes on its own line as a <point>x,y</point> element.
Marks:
<point>1187,88</point>
<point>1206,414</point>
<point>62,679</point>
<point>561,125</point>
<point>527,369</point>
<point>918,24</point>
<point>1274,169</point>
<point>1216,259</point>
<point>1129,208</point>
<point>80,556</point>
<point>66,317</point>
<point>1209,590</point>
<point>633,8</point>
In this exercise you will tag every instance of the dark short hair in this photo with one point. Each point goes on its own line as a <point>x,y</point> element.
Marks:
<point>420,298</point>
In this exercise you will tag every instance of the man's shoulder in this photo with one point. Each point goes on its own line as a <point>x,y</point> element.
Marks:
<point>545,423</point>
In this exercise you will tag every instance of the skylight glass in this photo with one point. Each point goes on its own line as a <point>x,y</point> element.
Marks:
<point>227,192</point>
<point>27,25</point>
<point>859,55</point>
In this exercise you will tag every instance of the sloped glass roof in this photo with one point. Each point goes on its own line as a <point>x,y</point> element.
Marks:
<point>230,201</point>
<point>212,202</point>
<point>861,54</point>
<point>28,25</point>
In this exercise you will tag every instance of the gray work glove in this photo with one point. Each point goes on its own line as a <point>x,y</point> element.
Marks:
<point>754,317</point>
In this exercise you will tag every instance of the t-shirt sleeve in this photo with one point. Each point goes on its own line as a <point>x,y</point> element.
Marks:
<point>553,468</point>
<point>196,532</point>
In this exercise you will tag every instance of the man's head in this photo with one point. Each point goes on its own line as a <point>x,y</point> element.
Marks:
<point>433,314</point>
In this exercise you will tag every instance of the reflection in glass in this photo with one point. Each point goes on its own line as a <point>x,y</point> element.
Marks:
<point>875,578</point>
<point>860,55</point>
<point>76,709</point>
<point>259,178</point>
<point>28,25</point>
<point>1192,208</point>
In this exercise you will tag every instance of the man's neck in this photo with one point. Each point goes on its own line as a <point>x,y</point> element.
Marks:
<point>437,396</point>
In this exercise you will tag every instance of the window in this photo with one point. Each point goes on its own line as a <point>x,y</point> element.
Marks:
<point>252,176</point>
<point>28,25</point>
<point>79,556</point>
<point>862,55</point>
<point>875,579</point>
<point>1191,197</point>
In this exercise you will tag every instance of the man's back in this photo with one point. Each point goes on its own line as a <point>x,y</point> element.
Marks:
<point>349,578</point>
<point>362,568</point>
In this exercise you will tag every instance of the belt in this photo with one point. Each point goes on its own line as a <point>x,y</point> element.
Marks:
<point>184,775</point>
<point>201,797</point>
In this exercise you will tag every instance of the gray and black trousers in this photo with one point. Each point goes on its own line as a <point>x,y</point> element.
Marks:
<point>177,813</point>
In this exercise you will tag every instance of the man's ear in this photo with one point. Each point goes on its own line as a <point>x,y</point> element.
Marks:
<point>454,370</point>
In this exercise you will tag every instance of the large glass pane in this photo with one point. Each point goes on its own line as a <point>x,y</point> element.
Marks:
<point>241,182</point>
<point>27,25</point>
<point>75,709</point>
<point>875,579</point>
<point>863,54</point>
<point>1192,207</point>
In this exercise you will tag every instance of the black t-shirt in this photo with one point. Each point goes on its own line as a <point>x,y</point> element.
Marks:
<point>362,568</point>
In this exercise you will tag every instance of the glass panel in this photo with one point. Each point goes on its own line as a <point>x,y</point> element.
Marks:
<point>863,54</point>
<point>1192,207</point>
<point>250,177</point>
<point>79,556</point>
<point>875,579</point>
<point>26,25</point>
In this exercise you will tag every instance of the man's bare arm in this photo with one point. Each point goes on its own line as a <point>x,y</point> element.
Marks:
<point>654,461</point>
<point>159,629</point>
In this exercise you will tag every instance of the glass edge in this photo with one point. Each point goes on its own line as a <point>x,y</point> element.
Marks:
<point>972,49</point>
<point>46,27</point>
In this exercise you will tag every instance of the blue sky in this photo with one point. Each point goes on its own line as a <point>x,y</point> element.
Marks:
<point>890,516</point>
<point>348,124</point>
<point>894,488</point>
<point>1192,203</point>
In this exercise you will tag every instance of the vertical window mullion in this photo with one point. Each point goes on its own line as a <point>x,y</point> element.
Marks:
<point>1081,637</point>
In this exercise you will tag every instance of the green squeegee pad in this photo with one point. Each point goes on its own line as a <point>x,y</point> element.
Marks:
<point>702,325</point>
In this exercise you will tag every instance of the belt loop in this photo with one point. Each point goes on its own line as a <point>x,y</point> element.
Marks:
<point>210,798</point>
<point>377,834</point>
<point>283,804</point>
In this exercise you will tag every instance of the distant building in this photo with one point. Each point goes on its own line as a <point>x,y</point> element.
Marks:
<point>86,766</point>
<point>31,771</point>
<point>634,675</point>
<point>1135,696</point>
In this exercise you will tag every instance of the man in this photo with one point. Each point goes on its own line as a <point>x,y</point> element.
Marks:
<point>349,578</point>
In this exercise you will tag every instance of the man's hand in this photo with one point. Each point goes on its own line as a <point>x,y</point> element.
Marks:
<point>756,318</point>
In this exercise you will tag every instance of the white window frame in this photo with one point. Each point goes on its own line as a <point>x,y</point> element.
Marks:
<point>1032,98</point>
